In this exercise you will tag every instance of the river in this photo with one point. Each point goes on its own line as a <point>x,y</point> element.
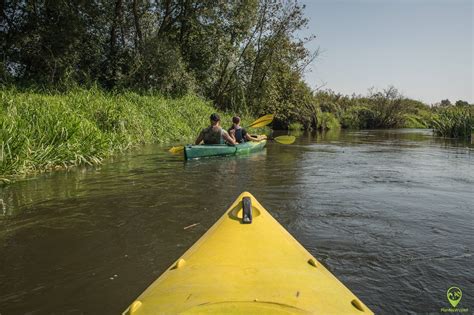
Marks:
<point>389,212</point>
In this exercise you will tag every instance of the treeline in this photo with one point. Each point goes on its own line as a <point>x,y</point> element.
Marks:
<point>242,55</point>
<point>389,109</point>
<point>378,109</point>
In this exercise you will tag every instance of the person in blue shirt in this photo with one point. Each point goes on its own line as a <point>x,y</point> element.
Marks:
<point>239,134</point>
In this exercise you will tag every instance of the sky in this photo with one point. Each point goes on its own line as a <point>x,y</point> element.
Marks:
<point>422,47</point>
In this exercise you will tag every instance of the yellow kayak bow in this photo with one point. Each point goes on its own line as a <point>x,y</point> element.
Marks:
<point>247,263</point>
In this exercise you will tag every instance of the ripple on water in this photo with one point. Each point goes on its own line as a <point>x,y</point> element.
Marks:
<point>388,212</point>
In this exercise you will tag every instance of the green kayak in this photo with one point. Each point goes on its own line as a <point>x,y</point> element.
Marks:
<point>203,150</point>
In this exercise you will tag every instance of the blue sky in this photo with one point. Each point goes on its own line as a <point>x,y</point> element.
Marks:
<point>422,47</point>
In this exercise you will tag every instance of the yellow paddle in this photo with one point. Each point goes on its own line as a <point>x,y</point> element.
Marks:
<point>176,149</point>
<point>284,139</point>
<point>261,122</point>
<point>280,139</point>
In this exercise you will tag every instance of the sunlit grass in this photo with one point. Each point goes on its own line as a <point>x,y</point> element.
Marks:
<point>40,131</point>
<point>415,121</point>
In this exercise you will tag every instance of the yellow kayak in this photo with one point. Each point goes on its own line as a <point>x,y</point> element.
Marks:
<point>247,263</point>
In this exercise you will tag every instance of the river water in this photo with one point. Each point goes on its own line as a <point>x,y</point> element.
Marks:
<point>389,212</point>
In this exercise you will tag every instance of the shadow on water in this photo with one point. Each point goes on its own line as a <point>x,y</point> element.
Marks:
<point>389,212</point>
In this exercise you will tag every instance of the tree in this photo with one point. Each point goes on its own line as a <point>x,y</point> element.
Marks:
<point>461,103</point>
<point>445,102</point>
<point>236,53</point>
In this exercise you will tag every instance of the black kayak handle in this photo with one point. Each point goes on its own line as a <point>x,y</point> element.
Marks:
<point>246,210</point>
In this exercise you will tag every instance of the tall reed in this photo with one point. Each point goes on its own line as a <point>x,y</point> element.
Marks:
<point>40,131</point>
<point>454,121</point>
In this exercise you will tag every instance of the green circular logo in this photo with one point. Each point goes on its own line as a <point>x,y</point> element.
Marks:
<point>454,295</point>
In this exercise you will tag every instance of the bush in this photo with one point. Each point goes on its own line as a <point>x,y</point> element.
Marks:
<point>295,126</point>
<point>358,117</point>
<point>327,121</point>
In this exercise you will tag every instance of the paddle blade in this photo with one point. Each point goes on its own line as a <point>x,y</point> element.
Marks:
<point>262,121</point>
<point>176,149</point>
<point>285,139</point>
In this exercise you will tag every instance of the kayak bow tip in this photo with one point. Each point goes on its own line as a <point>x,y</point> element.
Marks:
<point>133,308</point>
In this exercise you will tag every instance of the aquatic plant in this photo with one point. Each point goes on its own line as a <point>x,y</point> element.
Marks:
<point>415,121</point>
<point>454,121</point>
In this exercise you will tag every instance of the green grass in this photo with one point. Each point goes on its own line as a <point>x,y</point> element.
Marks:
<point>415,121</point>
<point>454,122</point>
<point>295,126</point>
<point>41,131</point>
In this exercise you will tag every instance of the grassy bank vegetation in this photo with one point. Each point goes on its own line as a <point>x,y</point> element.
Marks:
<point>325,110</point>
<point>378,109</point>
<point>244,57</point>
<point>454,121</point>
<point>41,131</point>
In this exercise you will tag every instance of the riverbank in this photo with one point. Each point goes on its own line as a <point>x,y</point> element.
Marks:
<point>44,131</point>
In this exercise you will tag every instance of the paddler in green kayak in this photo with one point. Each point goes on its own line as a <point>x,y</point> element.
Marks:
<point>215,134</point>
<point>239,134</point>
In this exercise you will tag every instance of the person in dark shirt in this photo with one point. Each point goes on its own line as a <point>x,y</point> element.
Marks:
<point>214,134</point>
<point>239,134</point>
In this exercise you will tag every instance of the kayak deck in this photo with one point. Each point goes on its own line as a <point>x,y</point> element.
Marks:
<point>247,268</point>
<point>205,150</point>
